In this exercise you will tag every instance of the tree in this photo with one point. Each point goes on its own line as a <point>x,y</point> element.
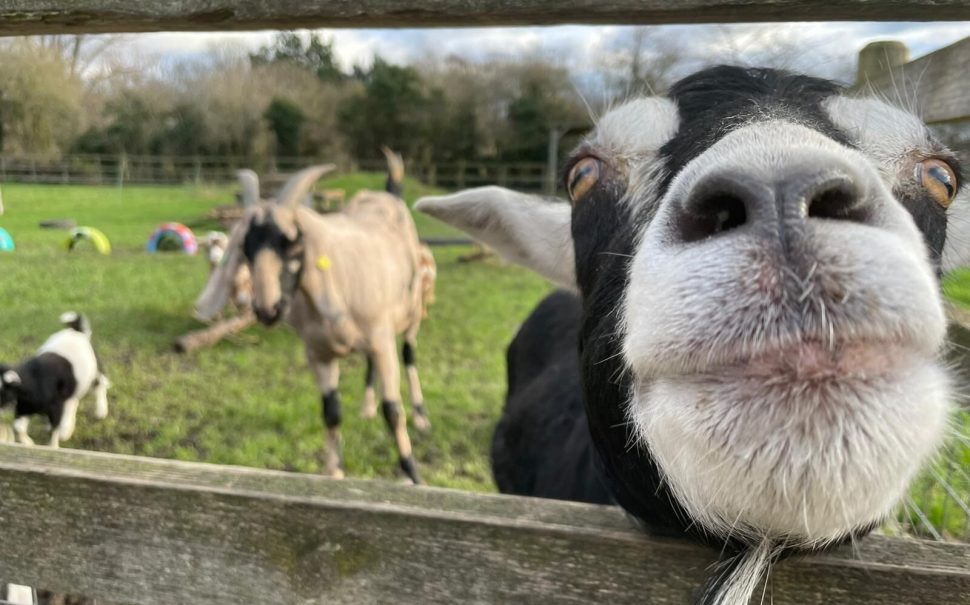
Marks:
<point>285,120</point>
<point>182,132</point>
<point>314,55</point>
<point>543,99</point>
<point>646,61</point>
<point>41,102</point>
<point>392,110</point>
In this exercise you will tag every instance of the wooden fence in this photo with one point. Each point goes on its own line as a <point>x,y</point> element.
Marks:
<point>128,529</point>
<point>22,17</point>
<point>91,169</point>
<point>137,530</point>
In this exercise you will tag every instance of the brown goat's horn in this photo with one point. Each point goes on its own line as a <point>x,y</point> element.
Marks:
<point>301,183</point>
<point>249,181</point>
<point>395,164</point>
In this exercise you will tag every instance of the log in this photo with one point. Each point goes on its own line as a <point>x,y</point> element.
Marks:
<point>24,17</point>
<point>210,335</point>
<point>126,529</point>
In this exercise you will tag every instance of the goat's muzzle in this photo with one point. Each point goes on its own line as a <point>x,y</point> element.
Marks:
<point>272,316</point>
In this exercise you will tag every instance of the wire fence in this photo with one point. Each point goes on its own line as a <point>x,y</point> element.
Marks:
<point>90,169</point>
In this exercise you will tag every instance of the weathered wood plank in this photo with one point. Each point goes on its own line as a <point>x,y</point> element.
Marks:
<point>19,17</point>
<point>130,529</point>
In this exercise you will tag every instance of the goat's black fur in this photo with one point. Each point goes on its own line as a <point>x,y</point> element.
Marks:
<point>46,382</point>
<point>544,412</point>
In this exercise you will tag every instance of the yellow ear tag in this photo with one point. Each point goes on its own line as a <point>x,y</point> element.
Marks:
<point>323,263</point>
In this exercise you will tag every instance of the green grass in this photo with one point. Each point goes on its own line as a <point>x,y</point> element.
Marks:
<point>956,285</point>
<point>249,400</point>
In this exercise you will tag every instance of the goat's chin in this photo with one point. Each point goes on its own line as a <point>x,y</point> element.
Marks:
<point>799,447</point>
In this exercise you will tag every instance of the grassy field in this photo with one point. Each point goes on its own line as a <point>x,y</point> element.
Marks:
<point>250,400</point>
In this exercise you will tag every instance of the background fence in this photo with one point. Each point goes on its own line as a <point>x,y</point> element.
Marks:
<point>87,169</point>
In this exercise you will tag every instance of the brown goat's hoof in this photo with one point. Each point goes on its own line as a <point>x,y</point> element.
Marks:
<point>421,423</point>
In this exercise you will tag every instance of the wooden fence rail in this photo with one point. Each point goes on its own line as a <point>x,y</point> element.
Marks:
<point>19,17</point>
<point>138,530</point>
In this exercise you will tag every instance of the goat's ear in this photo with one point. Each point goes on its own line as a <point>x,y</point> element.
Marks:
<point>526,229</point>
<point>219,287</point>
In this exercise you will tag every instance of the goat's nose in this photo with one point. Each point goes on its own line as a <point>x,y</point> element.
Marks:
<point>724,200</point>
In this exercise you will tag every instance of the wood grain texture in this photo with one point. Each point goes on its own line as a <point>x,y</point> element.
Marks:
<point>77,16</point>
<point>138,530</point>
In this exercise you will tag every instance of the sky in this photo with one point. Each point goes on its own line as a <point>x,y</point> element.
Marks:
<point>828,47</point>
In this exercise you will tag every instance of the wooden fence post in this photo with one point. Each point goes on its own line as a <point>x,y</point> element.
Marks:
<point>460,177</point>
<point>552,160</point>
<point>122,169</point>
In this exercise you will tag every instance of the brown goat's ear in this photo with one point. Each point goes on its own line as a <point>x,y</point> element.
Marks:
<point>219,287</point>
<point>395,164</point>
<point>526,229</point>
<point>300,184</point>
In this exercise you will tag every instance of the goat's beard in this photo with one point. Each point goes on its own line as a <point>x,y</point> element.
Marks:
<point>802,447</point>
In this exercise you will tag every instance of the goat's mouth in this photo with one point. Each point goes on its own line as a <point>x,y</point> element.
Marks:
<point>805,442</point>
<point>811,360</point>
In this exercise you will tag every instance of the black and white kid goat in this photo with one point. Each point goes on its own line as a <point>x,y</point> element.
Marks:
<point>53,382</point>
<point>755,341</point>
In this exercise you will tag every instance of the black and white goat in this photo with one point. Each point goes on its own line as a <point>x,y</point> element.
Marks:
<point>756,336</point>
<point>52,382</point>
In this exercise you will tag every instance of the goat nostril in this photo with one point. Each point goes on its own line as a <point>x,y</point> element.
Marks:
<point>710,215</point>
<point>837,202</point>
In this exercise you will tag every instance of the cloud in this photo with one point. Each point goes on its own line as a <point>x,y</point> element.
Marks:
<point>821,47</point>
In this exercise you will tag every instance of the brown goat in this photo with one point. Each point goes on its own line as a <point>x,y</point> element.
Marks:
<point>346,281</point>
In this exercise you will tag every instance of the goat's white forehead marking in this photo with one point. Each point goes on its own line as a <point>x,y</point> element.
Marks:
<point>631,136</point>
<point>885,133</point>
<point>636,128</point>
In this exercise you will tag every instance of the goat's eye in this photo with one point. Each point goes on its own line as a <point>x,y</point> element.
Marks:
<point>938,179</point>
<point>582,177</point>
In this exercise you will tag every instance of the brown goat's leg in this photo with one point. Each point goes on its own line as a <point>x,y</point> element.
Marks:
<point>389,370</point>
<point>327,374</point>
<point>420,419</point>
<point>369,407</point>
